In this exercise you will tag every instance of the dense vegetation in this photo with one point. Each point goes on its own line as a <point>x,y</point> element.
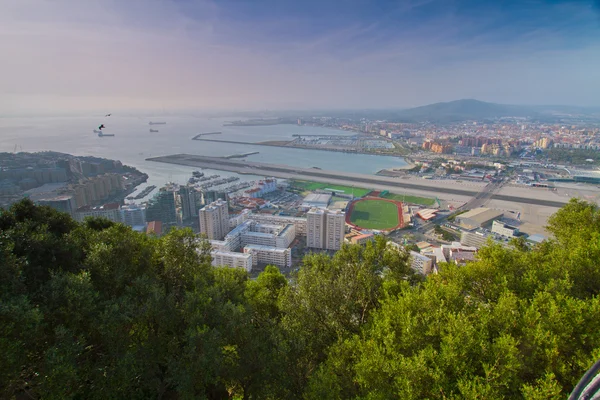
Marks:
<point>571,156</point>
<point>98,311</point>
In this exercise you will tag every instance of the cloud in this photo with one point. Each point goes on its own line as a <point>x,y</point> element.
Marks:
<point>83,55</point>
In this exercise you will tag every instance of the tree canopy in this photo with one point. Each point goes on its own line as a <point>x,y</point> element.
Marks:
<point>96,310</point>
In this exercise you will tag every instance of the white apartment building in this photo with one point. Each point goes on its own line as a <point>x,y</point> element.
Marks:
<point>505,230</point>
<point>335,229</point>
<point>299,223</point>
<point>267,255</point>
<point>109,211</point>
<point>420,263</point>
<point>214,220</point>
<point>270,235</point>
<point>315,228</point>
<point>325,229</point>
<point>238,219</point>
<point>133,215</point>
<point>230,259</point>
<point>250,232</point>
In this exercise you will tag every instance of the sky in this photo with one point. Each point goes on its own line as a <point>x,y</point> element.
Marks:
<point>74,55</point>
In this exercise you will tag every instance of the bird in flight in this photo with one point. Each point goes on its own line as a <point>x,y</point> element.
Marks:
<point>108,115</point>
<point>101,126</point>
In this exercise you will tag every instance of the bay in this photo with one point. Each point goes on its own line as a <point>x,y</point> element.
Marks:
<point>133,143</point>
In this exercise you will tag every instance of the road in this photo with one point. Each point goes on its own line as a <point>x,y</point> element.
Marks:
<point>479,200</point>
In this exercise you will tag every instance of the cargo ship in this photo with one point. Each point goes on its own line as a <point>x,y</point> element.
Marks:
<point>156,123</point>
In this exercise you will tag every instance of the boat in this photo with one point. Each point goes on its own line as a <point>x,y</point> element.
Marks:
<point>156,123</point>
<point>153,130</point>
<point>102,134</point>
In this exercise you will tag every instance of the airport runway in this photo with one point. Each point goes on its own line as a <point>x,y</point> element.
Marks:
<point>432,188</point>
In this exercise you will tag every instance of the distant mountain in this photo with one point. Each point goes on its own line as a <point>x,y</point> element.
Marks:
<point>462,110</point>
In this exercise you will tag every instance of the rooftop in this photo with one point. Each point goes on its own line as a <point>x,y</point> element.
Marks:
<point>259,247</point>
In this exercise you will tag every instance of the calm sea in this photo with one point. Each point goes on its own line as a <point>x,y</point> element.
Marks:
<point>133,143</point>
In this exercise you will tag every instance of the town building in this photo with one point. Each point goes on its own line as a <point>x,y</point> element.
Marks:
<point>505,230</point>
<point>162,207</point>
<point>270,235</point>
<point>155,228</point>
<point>267,255</point>
<point>420,263</point>
<point>233,260</point>
<point>238,219</point>
<point>133,215</point>
<point>109,211</point>
<point>63,203</point>
<point>325,229</point>
<point>319,200</point>
<point>362,238</point>
<point>476,238</point>
<point>478,217</point>
<point>299,223</point>
<point>190,202</point>
<point>214,220</point>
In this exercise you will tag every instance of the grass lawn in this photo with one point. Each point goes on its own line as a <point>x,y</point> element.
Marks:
<point>374,214</point>
<point>426,201</point>
<point>307,185</point>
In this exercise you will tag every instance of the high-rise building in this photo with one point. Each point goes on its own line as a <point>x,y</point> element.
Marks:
<point>315,228</point>
<point>211,196</point>
<point>334,229</point>
<point>325,229</point>
<point>189,202</point>
<point>162,207</point>
<point>214,220</point>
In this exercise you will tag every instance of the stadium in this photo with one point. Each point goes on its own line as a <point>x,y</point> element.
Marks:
<point>375,213</point>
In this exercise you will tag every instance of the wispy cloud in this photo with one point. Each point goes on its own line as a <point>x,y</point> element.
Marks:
<point>234,54</point>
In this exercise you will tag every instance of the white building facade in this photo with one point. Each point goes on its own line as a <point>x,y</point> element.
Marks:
<point>325,229</point>
<point>214,220</point>
<point>233,260</point>
<point>266,255</point>
<point>299,223</point>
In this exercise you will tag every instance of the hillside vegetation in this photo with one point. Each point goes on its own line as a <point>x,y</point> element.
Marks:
<point>97,311</point>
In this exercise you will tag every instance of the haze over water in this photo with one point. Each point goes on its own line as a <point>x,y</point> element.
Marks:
<point>133,143</point>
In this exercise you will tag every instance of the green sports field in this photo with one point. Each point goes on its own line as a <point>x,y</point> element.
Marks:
<point>307,185</point>
<point>426,201</point>
<point>375,214</point>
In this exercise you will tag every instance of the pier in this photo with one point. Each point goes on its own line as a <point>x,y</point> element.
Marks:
<point>198,136</point>
<point>243,155</point>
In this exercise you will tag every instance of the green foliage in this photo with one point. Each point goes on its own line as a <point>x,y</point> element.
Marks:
<point>573,156</point>
<point>96,311</point>
<point>447,236</point>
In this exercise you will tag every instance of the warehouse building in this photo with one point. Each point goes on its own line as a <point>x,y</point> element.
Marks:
<point>478,217</point>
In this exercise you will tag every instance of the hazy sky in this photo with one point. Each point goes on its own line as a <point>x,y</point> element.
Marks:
<point>59,55</point>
